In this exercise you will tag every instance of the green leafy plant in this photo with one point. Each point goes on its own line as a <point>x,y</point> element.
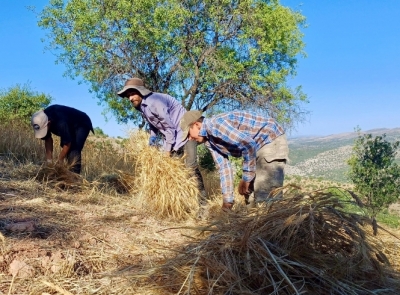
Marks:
<point>99,132</point>
<point>237,166</point>
<point>206,160</point>
<point>391,220</point>
<point>210,54</point>
<point>18,103</point>
<point>374,173</point>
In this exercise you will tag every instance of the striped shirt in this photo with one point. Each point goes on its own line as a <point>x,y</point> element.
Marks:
<point>237,134</point>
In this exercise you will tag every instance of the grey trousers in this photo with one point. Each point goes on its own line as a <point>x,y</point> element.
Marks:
<point>270,165</point>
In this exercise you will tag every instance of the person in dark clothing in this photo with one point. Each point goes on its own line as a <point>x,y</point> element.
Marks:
<point>71,125</point>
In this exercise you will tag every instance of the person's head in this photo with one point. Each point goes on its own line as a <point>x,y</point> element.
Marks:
<point>40,123</point>
<point>191,123</point>
<point>134,90</point>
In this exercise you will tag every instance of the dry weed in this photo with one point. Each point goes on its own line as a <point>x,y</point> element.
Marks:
<point>17,142</point>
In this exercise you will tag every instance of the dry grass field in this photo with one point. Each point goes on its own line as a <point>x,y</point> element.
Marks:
<point>129,225</point>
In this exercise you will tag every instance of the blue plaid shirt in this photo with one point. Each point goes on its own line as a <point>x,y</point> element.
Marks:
<point>237,134</point>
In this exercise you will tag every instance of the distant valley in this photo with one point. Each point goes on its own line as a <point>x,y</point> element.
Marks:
<point>326,157</point>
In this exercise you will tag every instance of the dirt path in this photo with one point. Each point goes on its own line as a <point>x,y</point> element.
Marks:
<point>77,241</point>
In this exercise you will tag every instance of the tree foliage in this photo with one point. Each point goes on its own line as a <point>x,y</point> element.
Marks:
<point>18,103</point>
<point>374,172</point>
<point>210,54</point>
<point>99,132</point>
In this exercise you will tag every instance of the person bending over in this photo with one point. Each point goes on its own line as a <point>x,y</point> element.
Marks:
<point>71,125</point>
<point>259,140</point>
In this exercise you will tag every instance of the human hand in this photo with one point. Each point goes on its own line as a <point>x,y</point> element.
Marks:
<point>227,206</point>
<point>244,188</point>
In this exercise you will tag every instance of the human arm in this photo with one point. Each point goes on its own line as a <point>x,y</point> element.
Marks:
<point>227,206</point>
<point>64,151</point>
<point>225,174</point>
<point>244,188</point>
<point>48,145</point>
<point>65,139</point>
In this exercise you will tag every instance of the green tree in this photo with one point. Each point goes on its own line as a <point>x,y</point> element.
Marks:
<point>18,103</point>
<point>99,132</point>
<point>210,54</point>
<point>374,172</point>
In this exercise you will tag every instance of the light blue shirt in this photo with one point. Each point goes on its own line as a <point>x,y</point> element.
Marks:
<point>163,113</point>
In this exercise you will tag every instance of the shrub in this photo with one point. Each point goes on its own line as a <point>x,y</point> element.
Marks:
<point>206,160</point>
<point>18,103</point>
<point>374,173</point>
<point>99,132</point>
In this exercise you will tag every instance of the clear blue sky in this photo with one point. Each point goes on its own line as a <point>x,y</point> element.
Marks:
<point>351,74</point>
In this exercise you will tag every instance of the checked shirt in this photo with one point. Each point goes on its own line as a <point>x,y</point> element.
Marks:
<point>237,134</point>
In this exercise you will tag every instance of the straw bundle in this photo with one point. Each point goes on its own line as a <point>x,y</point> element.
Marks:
<point>162,184</point>
<point>59,176</point>
<point>296,245</point>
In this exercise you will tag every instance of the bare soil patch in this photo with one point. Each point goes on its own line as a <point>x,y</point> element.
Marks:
<point>75,241</point>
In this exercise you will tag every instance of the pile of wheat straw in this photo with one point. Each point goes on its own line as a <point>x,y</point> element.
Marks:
<point>162,185</point>
<point>60,176</point>
<point>301,244</point>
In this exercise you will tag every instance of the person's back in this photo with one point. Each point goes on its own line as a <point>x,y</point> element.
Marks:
<point>62,116</point>
<point>226,131</point>
<point>157,109</point>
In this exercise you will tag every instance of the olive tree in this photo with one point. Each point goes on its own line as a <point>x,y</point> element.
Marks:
<point>374,172</point>
<point>211,54</point>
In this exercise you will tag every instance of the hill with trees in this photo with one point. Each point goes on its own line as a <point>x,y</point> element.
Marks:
<point>326,157</point>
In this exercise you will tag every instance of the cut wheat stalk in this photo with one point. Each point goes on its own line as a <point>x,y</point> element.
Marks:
<point>299,244</point>
<point>161,184</point>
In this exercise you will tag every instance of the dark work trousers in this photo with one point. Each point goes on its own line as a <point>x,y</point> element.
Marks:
<point>74,155</point>
<point>190,150</point>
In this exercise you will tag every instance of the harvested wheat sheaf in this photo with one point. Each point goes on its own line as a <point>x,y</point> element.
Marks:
<point>163,185</point>
<point>59,175</point>
<point>299,244</point>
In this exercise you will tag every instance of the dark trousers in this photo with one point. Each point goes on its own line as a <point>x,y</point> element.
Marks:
<point>190,150</point>
<point>74,155</point>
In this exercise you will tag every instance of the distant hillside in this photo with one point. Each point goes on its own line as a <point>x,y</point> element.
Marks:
<point>325,157</point>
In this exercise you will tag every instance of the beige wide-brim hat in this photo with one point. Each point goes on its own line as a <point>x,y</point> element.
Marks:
<point>39,122</point>
<point>188,119</point>
<point>134,83</point>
